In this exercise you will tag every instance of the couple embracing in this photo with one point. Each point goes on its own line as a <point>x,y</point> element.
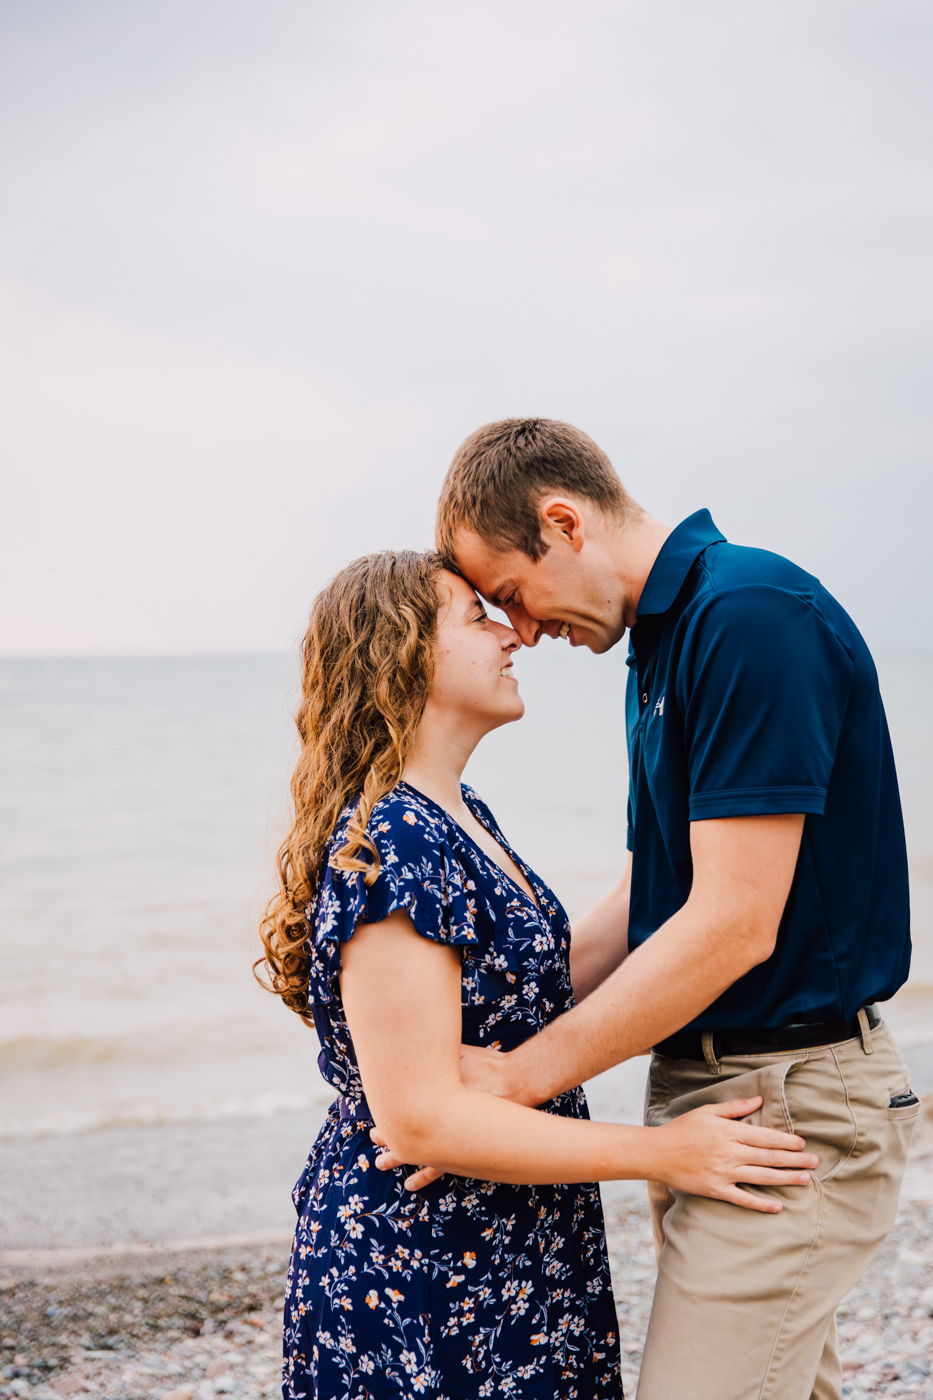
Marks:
<point>762,912</point>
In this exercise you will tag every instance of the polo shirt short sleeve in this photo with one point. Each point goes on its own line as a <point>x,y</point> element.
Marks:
<point>762,685</point>
<point>751,692</point>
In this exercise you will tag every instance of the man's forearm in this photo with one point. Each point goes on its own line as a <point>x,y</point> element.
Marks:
<point>743,868</point>
<point>659,988</point>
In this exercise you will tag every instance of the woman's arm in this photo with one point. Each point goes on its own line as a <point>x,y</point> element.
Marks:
<point>401,994</point>
<point>599,941</point>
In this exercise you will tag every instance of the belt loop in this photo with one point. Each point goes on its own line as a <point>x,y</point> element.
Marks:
<point>866,1031</point>
<point>709,1053</point>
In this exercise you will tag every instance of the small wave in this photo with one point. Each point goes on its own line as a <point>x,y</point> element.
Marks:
<point>152,1044</point>
<point>265,1105</point>
<point>31,1052</point>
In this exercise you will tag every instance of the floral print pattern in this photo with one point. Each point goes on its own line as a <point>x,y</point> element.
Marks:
<point>468,1288</point>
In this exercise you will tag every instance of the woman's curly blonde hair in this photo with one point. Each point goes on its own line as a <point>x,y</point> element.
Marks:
<point>366,665</point>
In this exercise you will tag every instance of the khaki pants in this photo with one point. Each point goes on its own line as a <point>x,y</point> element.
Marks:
<point>745,1303</point>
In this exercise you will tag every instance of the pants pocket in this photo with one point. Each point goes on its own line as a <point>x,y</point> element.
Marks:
<point>678,1086</point>
<point>658,1092</point>
<point>906,1114</point>
<point>820,1109</point>
<point>898,1081</point>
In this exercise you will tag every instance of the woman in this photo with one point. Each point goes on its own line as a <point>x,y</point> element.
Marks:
<point>404,923</point>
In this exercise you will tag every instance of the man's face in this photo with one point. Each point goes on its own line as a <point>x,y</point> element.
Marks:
<point>570,592</point>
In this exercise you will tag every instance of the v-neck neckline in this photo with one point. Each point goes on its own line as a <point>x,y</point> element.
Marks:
<point>496,836</point>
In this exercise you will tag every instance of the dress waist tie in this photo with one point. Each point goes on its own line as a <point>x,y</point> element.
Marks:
<point>353,1108</point>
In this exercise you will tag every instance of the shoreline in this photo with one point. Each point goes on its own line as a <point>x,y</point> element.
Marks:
<point>207,1322</point>
<point>61,1258</point>
<point>193,1318</point>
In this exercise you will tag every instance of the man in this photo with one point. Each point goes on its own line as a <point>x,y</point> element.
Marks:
<point>764,906</point>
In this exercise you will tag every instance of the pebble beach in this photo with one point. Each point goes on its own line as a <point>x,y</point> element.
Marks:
<point>186,1110</point>
<point>199,1323</point>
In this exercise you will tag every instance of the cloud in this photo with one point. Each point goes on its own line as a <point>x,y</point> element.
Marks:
<point>266,266</point>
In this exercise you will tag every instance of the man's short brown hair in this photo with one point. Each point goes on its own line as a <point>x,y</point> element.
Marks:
<point>496,481</point>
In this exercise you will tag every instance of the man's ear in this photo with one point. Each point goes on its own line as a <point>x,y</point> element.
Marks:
<point>562,520</point>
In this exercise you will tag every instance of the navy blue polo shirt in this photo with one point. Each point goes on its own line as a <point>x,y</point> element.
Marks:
<point>750,692</point>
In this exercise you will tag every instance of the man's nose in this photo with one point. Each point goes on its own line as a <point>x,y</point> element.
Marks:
<point>527,628</point>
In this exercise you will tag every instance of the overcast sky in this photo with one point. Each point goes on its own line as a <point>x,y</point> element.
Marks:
<point>264,265</point>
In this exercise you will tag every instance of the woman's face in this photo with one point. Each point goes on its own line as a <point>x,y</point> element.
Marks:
<point>473,681</point>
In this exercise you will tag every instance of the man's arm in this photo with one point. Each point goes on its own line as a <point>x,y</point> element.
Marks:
<point>742,873</point>
<point>413,1085</point>
<point>600,939</point>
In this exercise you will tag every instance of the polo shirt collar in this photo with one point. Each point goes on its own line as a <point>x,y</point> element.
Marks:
<point>675,560</point>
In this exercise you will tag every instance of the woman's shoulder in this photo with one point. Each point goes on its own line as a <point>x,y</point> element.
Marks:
<point>403,826</point>
<point>405,822</point>
<point>412,821</point>
<point>406,806</point>
<point>418,872</point>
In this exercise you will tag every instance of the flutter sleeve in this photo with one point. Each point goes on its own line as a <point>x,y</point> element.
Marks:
<point>418,874</point>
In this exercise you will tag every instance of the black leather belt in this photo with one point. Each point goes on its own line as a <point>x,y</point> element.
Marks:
<point>688,1045</point>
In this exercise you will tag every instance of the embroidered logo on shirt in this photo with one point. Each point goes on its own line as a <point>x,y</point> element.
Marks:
<point>659,707</point>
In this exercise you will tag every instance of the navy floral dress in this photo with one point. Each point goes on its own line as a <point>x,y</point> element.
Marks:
<point>468,1288</point>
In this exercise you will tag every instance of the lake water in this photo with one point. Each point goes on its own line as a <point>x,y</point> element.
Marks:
<point>140,803</point>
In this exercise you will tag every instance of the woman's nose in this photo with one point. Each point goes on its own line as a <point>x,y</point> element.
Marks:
<point>509,638</point>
